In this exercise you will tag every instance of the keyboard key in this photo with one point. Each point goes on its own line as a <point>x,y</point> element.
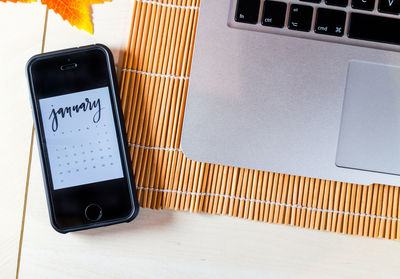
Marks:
<point>300,17</point>
<point>374,28</point>
<point>389,6</point>
<point>312,1</point>
<point>340,3</point>
<point>274,14</point>
<point>330,22</point>
<point>247,11</point>
<point>367,5</point>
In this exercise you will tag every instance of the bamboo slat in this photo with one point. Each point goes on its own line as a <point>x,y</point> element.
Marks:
<point>154,86</point>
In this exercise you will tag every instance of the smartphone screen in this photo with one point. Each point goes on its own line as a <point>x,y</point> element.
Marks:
<point>82,139</point>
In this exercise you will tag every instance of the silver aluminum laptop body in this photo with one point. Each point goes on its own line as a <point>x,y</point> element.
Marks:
<point>291,104</point>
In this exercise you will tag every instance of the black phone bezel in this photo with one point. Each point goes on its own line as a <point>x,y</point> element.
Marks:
<point>95,69</point>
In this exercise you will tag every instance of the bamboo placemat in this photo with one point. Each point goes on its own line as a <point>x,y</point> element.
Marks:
<point>154,86</point>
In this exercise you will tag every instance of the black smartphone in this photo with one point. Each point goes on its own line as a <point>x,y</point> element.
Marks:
<point>81,138</point>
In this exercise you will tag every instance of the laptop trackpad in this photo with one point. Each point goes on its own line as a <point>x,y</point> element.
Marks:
<point>370,129</point>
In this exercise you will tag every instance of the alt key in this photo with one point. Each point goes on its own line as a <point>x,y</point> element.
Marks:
<point>300,17</point>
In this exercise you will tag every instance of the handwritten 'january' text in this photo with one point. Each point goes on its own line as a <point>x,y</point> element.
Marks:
<point>87,105</point>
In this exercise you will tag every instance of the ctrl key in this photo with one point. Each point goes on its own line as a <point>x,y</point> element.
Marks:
<point>274,14</point>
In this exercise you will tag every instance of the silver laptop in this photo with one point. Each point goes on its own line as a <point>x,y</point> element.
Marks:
<point>309,88</point>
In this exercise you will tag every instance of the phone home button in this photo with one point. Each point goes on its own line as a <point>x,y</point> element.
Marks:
<point>93,212</point>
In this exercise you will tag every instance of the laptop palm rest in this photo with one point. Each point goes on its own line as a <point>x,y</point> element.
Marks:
<point>369,136</point>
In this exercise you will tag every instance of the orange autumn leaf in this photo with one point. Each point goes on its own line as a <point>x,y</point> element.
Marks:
<point>76,12</point>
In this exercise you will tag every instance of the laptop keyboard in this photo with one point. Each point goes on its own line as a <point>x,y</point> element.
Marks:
<point>367,20</point>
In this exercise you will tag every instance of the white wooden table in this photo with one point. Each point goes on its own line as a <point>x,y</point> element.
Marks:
<point>157,244</point>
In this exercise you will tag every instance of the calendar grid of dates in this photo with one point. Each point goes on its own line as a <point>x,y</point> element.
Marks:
<point>81,138</point>
<point>368,20</point>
